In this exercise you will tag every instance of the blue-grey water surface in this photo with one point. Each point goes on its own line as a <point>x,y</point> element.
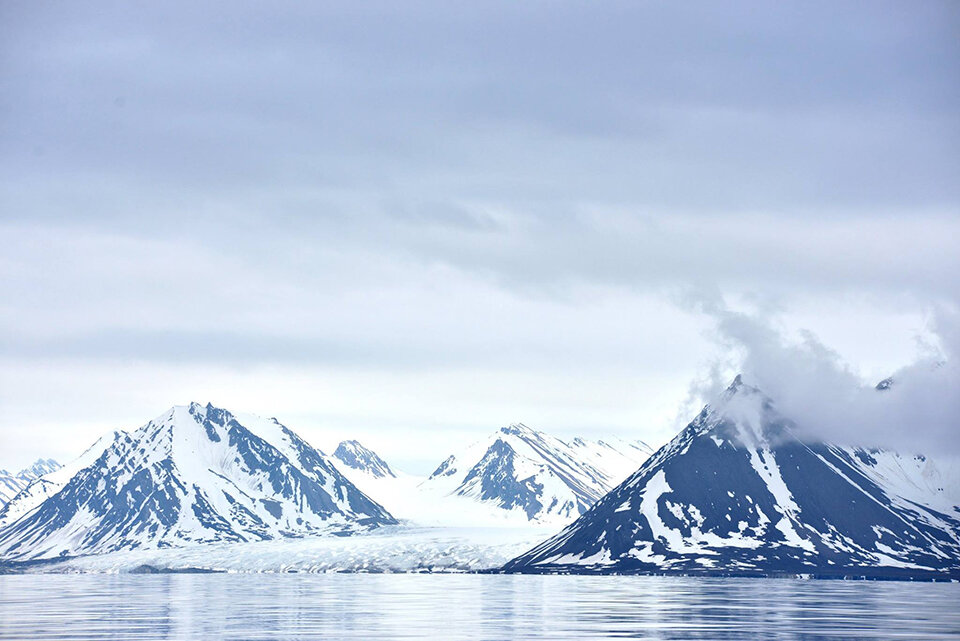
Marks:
<point>340,606</point>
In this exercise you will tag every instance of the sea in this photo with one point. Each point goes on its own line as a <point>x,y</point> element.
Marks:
<point>468,606</point>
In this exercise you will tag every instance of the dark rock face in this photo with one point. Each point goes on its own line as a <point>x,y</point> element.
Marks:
<point>737,493</point>
<point>447,468</point>
<point>495,479</point>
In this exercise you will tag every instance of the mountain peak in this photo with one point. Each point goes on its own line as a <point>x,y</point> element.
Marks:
<point>39,467</point>
<point>738,393</point>
<point>737,492</point>
<point>517,429</point>
<point>738,388</point>
<point>195,474</point>
<point>354,455</point>
<point>208,409</point>
<point>532,473</point>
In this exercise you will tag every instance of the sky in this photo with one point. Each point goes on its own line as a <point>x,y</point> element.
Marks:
<point>412,223</point>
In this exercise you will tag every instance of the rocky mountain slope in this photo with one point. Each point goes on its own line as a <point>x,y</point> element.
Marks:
<point>194,474</point>
<point>536,475</point>
<point>356,456</point>
<point>738,492</point>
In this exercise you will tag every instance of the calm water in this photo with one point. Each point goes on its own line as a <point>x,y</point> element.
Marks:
<point>190,606</point>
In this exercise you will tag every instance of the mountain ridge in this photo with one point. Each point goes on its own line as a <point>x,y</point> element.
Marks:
<point>530,472</point>
<point>354,455</point>
<point>12,484</point>
<point>194,474</point>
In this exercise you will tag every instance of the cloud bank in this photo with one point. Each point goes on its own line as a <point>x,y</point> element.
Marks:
<point>915,410</point>
<point>381,216</point>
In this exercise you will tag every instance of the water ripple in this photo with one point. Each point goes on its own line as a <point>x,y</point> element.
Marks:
<point>340,606</point>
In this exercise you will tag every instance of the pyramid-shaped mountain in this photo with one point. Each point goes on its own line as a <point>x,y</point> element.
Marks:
<point>533,474</point>
<point>737,492</point>
<point>194,474</point>
<point>357,457</point>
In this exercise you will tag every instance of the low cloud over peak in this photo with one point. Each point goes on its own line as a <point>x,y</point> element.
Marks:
<point>917,411</point>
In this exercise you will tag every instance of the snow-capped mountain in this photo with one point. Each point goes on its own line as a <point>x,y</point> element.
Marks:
<point>39,467</point>
<point>194,474</point>
<point>538,476</point>
<point>11,484</point>
<point>737,492</point>
<point>357,457</point>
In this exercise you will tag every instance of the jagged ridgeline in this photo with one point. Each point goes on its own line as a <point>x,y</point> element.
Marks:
<point>737,492</point>
<point>531,473</point>
<point>354,455</point>
<point>194,474</point>
<point>12,483</point>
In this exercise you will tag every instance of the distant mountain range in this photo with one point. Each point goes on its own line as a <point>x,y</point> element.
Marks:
<point>738,492</point>
<point>202,474</point>
<point>11,484</point>
<point>194,474</point>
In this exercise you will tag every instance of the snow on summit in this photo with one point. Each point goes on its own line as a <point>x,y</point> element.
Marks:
<point>354,455</point>
<point>535,475</point>
<point>194,474</point>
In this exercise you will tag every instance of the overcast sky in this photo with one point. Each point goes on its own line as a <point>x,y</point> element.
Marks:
<point>413,223</point>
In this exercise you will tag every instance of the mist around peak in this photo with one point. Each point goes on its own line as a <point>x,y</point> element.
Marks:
<point>915,409</point>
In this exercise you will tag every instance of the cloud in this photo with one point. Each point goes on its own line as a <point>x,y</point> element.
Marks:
<point>812,384</point>
<point>652,106</point>
<point>499,187</point>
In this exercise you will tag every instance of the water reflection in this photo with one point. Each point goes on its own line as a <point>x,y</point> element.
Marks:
<point>190,606</point>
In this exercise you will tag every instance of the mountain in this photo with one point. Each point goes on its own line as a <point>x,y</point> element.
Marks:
<point>39,467</point>
<point>194,474</point>
<point>737,492</point>
<point>42,488</point>
<point>535,475</point>
<point>356,456</point>
<point>11,484</point>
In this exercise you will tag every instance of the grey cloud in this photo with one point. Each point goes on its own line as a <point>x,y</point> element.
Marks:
<point>692,107</point>
<point>812,384</point>
<point>430,184</point>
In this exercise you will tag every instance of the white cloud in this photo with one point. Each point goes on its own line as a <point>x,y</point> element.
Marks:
<point>816,387</point>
